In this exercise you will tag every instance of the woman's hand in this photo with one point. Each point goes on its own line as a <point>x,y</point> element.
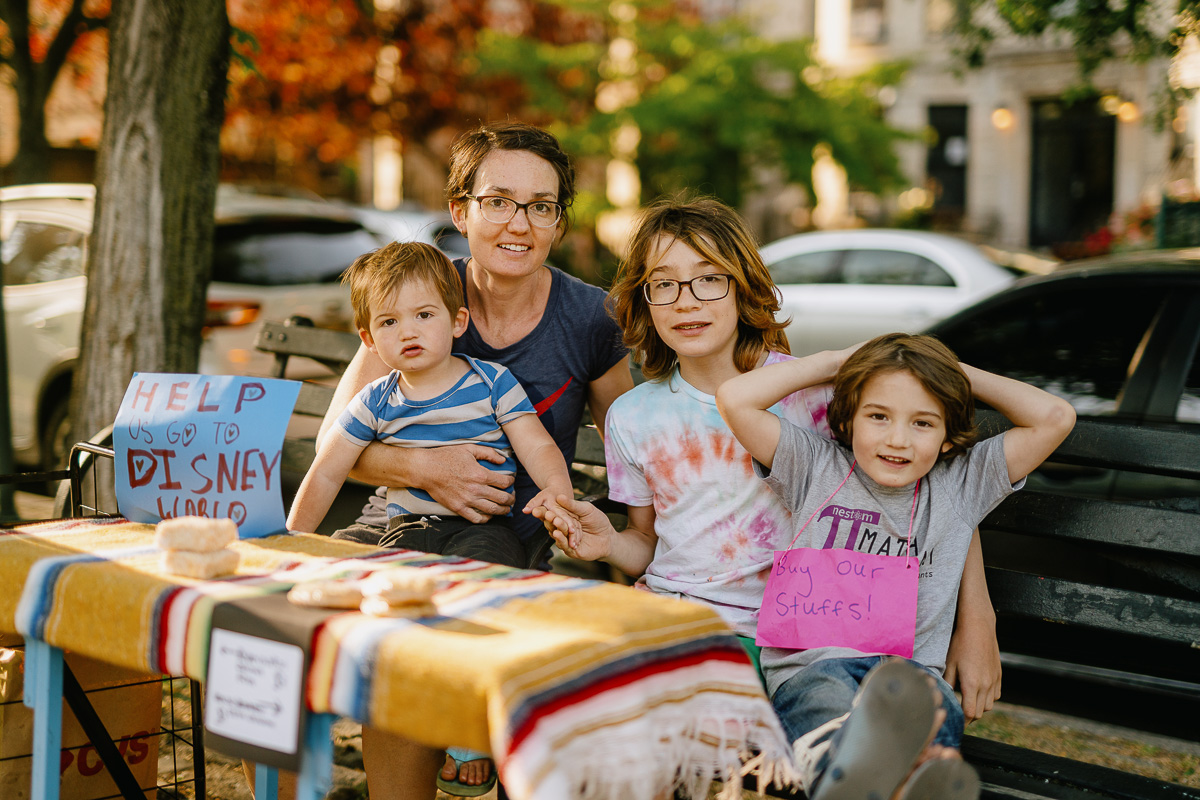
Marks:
<point>594,535</point>
<point>454,478</point>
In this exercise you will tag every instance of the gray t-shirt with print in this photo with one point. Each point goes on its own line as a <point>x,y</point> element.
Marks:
<point>869,518</point>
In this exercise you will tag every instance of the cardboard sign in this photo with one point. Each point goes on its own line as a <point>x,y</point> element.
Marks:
<point>203,445</point>
<point>254,691</point>
<point>843,598</point>
<point>127,702</point>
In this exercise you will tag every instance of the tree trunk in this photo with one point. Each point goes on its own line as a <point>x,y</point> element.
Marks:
<point>150,251</point>
<point>32,161</point>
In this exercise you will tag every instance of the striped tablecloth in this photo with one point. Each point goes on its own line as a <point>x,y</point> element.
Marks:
<point>578,688</point>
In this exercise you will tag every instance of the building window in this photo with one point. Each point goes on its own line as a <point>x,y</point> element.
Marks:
<point>868,22</point>
<point>939,18</point>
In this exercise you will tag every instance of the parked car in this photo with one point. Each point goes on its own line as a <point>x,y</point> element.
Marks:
<point>1117,337</point>
<point>841,287</point>
<point>411,223</point>
<point>273,257</point>
<point>408,223</point>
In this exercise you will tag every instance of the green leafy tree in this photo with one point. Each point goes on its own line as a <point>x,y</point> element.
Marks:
<point>711,102</point>
<point>1098,30</point>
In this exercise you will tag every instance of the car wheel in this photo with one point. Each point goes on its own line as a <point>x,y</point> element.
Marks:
<point>56,436</point>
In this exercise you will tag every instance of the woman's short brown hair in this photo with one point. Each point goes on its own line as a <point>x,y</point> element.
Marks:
<point>374,276</point>
<point>471,148</point>
<point>721,236</point>
<point>925,358</point>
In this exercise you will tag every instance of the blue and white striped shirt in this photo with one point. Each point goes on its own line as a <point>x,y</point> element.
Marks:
<point>470,412</point>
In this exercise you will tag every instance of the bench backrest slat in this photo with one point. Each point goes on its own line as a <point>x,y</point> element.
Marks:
<point>1084,519</point>
<point>589,448</point>
<point>334,349</point>
<point>1098,607</point>
<point>313,400</point>
<point>298,454</point>
<point>1118,445</point>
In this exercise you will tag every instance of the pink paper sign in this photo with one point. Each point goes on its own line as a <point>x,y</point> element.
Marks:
<point>843,598</point>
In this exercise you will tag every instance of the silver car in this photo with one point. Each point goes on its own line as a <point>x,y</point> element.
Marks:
<point>273,257</point>
<point>842,287</point>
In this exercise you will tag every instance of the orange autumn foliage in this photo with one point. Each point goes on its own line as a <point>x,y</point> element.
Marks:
<point>311,80</point>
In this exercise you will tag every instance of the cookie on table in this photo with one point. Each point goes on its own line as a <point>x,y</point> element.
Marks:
<point>376,606</point>
<point>204,566</point>
<point>401,586</point>
<point>327,594</point>
<point>195,534</point>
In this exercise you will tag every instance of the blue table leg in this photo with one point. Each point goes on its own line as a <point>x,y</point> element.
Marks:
<point>266,782</point>
<point>316,763</point>
<point>43,694</point>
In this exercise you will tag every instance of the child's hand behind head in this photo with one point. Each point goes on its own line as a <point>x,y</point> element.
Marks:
<point>842,355</point>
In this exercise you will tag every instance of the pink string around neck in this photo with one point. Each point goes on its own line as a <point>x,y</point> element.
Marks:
<point>911,516</point>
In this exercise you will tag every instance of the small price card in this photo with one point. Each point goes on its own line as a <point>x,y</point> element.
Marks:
<point>254,697</point>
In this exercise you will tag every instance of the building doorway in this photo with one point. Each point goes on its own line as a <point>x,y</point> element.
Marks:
<point>946,164</point>
<point>1074,150</point>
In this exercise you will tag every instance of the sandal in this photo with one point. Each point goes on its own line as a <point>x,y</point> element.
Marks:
<point>458,789</point>
<point>942,779</point>
<point>886,730</point>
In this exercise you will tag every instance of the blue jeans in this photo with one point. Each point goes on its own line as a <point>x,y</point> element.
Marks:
<point>825,690</point>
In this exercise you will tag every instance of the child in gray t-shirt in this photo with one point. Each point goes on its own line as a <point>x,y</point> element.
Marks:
<point>902,482</point>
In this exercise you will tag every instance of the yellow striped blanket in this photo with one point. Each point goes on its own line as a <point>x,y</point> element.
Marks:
<point>578,688</point>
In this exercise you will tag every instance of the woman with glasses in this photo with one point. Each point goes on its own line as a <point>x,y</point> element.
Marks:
<point>509,188</point>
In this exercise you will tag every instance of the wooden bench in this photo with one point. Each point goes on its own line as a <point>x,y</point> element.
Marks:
<point>1097,601</point>
<point>1098,608</point>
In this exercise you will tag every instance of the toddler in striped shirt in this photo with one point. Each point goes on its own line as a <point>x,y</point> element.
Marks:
<point>408,308</point>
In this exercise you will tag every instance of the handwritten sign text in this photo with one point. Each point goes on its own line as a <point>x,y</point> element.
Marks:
<point>842,598</point>
<point>203,445</point>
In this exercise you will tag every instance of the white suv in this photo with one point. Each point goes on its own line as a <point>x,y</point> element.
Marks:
<point>273,257</point>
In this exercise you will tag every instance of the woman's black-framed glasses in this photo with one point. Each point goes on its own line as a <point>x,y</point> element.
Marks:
<point>663,291</point>
<point>499,210</point>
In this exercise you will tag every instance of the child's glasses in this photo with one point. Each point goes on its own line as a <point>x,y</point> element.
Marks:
<point>663,291</point>
<point>499,210</point>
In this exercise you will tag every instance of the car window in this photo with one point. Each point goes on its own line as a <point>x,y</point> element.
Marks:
<point>1189,402</point>
<point>1077,342</point>
<point>818,267</point>
<point>281,252</point>
<point>893,268</point>
<point>36,252</point>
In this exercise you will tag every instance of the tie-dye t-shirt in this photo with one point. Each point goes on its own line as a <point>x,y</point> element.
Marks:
<point>717,522</point>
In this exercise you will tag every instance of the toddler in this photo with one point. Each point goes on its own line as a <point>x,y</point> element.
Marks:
<point>408,309</point>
